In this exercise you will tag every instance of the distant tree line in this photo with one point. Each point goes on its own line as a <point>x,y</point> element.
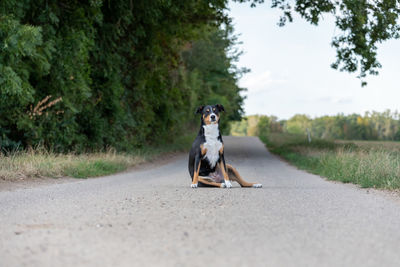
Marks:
<point>84,75</point>
<point>370,126</point>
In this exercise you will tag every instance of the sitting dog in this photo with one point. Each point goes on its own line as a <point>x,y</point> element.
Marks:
<point>206,158</point>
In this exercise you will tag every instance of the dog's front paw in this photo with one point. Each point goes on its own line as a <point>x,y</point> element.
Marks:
<point>193,185</point>
<point>228,184</point>
<point>223,185</point>
<point>257,185</point>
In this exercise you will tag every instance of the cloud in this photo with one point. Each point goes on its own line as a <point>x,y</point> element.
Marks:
<point>259,82</point>
<point>335,100</point>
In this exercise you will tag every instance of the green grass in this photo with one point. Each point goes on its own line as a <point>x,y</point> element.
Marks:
<point>94,168</point>
<point>385,145</point>
<point>42,163</point>
<point>375,164</point>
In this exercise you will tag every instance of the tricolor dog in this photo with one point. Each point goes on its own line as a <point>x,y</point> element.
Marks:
<point>207,165</point>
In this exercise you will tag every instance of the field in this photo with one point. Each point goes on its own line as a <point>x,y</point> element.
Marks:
<point>384,145</point>
<point>367,163</point>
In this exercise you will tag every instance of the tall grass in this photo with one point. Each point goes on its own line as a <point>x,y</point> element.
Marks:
<point>360,163</point>
<point>42,163</point>
<point>39,163</point>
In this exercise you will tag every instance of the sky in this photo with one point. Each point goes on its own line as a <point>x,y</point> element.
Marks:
<point>291,73</point>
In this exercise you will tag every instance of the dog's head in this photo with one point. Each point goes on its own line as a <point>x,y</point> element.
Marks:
<point>210,114</point>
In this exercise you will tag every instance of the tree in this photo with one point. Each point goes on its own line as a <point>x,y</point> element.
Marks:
<point>84,75</point>
<point>363,25</point>
<point>298,124</point>
<point>263,127</point>
<point>210,62</point>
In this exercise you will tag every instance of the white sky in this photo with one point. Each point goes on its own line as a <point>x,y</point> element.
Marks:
<point>291,73</point>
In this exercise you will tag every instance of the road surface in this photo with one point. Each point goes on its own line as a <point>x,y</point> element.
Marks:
<point>151,217</point>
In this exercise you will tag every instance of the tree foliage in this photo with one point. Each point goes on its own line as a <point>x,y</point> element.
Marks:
<point>370,126</point>
<point>363,24</point>
<point>81,75</point>
<point>210,65</point>
<point>252,125</point>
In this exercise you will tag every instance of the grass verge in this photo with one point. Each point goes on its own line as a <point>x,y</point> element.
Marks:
<point>374,164</point>
<point>41,163</point>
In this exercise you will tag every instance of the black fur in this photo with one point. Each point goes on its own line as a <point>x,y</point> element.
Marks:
<point>195,152</point>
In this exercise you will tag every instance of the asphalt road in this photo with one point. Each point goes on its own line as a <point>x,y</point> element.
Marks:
<point>151,217</point>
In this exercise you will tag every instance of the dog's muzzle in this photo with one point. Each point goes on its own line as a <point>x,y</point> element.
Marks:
<point>213,117</point>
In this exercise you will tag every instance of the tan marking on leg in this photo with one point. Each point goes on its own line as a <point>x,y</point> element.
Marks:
<point>196,174</point>
<point>209,182</point>
<point>203,150</point>
<point>221,150</point>
<point>235,176</point>
<point>226,177</point>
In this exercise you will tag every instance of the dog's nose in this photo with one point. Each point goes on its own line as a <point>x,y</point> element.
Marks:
<point>213,117</point>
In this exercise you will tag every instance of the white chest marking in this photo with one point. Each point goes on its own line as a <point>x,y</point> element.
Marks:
<point>212,144</point>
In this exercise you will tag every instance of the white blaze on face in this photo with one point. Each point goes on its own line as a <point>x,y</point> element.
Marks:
<point>215,116</point>
<point>212,144</point>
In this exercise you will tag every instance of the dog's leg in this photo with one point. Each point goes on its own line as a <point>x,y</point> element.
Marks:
<point>209,182</point>
<point>235,176</point>
<point>228,183</point>
<point>221,163</point>
<point>203,150</point>
<point>197,164</point>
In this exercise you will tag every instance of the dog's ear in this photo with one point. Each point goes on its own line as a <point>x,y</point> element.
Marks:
<point>199,110</point>
<point>220,107</point>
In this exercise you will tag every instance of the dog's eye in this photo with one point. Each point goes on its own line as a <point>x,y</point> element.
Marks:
<point>214,109</point>
<point>208,110</point>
